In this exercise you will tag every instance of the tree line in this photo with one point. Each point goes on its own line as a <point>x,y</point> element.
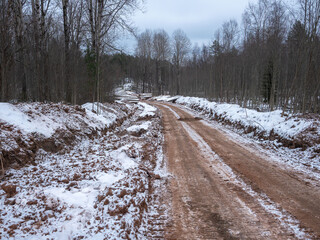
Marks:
<point>64,50</point>
<point>56,50</point>
<point>271,60</point>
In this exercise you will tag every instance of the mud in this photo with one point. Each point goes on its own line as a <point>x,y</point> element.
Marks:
<point>207,202</point>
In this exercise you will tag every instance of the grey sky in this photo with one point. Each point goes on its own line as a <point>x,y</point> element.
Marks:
<point>199,19</point>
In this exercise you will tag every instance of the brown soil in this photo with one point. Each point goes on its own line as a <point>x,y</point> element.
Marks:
<point>207,206</point>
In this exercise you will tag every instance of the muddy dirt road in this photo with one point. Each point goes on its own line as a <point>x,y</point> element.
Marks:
<point>222,190</point>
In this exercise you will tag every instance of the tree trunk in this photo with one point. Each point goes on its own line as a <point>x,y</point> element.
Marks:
<point>67,75</point>
<point>20,47</point>
<point>4,82</point>
<point>35,18</point>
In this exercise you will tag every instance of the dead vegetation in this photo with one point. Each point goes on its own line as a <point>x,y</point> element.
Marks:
<point>65,166</point>
<point>9,189</point>
<point>18,149</point>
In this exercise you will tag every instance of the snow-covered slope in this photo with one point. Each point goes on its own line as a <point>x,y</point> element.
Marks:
<point>294,137</point>
<point>106,186</point>
<point>265,123</point>
<point>26,127</point>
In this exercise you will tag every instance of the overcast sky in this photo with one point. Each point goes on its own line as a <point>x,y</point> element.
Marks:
<point>199,19</point>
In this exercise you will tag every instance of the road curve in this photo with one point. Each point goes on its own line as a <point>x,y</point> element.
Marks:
<point>222,190</point>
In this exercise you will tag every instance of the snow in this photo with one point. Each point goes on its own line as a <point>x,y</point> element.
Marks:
<point>125,161</point>
<point>148,110</point>
<point>94,188</point>
<point>84,198</point>
<point>41,119</point>
<point>256,127</point>
<point>104,119</point>
<point>223,170</point>
<point>14,116</point>
<point>107,179</point>
<point>137,128</point>
<point>265,121</point>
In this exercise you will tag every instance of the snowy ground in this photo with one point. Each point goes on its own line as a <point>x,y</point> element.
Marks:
<point>294,140</point>
<point>102,179</point>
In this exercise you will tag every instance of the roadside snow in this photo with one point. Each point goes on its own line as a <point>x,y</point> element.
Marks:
<point>13,115</point>
<point>97,188</point>
<point>125,161</point>
<point>107,179</point>
<point>46,119</point>
<point>104,119</point>
<point>136,128</point>
<point>287,127</point>
<point>75,198</point>
<point>293,140</point>
<point>223,170</point>
<point>148,110</point>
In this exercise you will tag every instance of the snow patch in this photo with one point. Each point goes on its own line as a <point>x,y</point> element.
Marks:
<point>14,116</point>
<point>137,128</point>
<point>148,110</point>
<point>83,198</point>
<point>102,120</point>
<point>107,179</point>
<point>125,161</point>
<point>287,127</point>
<point>285,219</point>
<point>174,113</point>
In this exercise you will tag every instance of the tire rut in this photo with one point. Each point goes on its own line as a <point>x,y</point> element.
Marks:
<point>294,195</point>
<point>205,204</point>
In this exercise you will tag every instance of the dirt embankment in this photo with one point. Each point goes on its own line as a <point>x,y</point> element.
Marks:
<point>18,148</point>
<point>222,190</point>
<point>106,186</point>
<point>306,139</point>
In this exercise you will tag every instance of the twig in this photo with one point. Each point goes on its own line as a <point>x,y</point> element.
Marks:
<point>1,158</point>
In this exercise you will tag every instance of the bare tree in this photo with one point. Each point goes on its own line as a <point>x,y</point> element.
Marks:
<point>144,52</point>
<point>105,18</point>
<point>230,32</point>
<point>17,9</point>
<point>181,47</point>
<point>5,47</point>
<point>161,53</point>
<point>66,28</point>
<point>310,13</point>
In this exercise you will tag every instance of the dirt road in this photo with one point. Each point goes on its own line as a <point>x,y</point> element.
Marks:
<point>222,190</point>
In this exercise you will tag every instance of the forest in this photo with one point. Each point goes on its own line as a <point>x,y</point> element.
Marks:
<point>66,51</point>
<point>56,51</point>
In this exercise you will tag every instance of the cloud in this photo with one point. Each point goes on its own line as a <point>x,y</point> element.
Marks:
<point>198,18</point>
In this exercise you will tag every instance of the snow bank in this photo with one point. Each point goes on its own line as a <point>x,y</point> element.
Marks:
<point>26,127</point>
<point>105,118</point>
<point>139,128</point>
<point>267,122</point>
<point>15,116</point>
<point>103,187</point>
<point>148,110</point>
<point>39,118</point>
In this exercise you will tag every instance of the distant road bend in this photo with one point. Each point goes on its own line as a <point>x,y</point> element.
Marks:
<point>221,189</point>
